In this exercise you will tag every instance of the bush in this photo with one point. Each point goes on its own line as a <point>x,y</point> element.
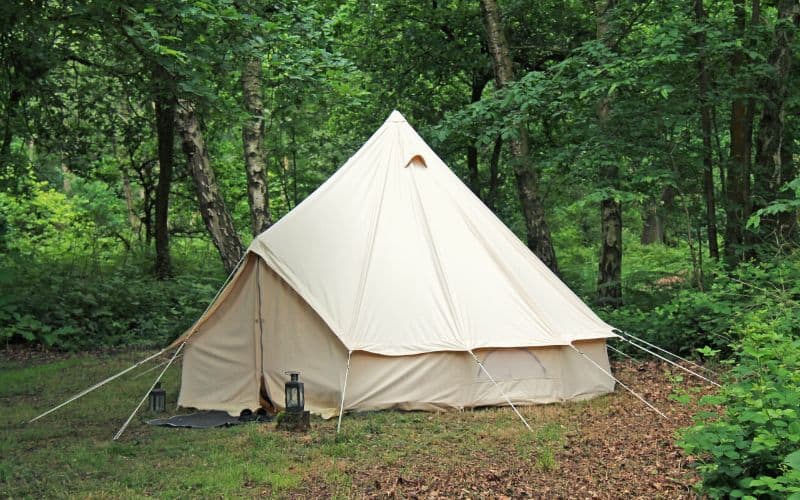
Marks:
<point>752,449</point>
<point>74,276</point>
<point>691,319</point>
<point>84,306</point>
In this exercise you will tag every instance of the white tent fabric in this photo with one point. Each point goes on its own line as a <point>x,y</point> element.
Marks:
<point>395,260</point>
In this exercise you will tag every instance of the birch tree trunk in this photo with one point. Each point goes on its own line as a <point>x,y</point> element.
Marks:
<point>539,240</point>
<point>253,141</point>
<point>217,219</point>
<point>609,278</point>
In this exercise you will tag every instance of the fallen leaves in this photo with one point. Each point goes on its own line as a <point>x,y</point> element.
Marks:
<point>611,447</point>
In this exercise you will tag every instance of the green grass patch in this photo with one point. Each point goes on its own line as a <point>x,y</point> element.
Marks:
<point>70,453</point>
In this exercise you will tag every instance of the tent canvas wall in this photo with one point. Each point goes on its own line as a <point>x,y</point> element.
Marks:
<point>394,265</point>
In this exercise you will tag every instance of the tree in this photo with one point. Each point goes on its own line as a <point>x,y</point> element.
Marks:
<point>609,279</point>
<point>539,239</point>
<point>738,203</point>
<point>253,139</point>
<point>706,131</point>
<point>165,127</point>
<point>217,219</point>
<point>774,163</point>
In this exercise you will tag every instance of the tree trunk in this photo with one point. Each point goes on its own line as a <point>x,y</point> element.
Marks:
<point>145,174</point>
<point>738,171</point>
<point>212,207</point>
<point>253,140</point>
<point>494,173</point>
<point>14,97</point>
<point>165,127</point>
<point>129,202</point>
<point>655,224</point>
<point>774,166</point>
<point>609,282</point>
<point>654,229</point>
<point>478,84</point>
<point>705,127</point>
<point>472,170</point>
<point>609,278</point>
<point>539,240</point>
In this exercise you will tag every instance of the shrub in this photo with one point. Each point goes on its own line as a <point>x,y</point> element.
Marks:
<point>690,319</point>
<point>84,305</point>
<point>752,448</point>
<point>73,275</point>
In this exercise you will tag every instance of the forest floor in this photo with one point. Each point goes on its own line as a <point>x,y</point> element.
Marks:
<point>609,447</point>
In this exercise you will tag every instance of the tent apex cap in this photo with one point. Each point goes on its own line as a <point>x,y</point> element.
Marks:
<point>396,116</point>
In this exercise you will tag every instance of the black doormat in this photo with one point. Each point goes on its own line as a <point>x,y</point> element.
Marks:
<point>207,420</point>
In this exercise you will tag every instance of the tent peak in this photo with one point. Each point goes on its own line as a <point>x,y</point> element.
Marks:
<point>396,116</point>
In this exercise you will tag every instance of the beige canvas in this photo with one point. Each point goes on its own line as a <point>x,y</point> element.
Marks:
<point>395,261</point>
<point>222,363</point>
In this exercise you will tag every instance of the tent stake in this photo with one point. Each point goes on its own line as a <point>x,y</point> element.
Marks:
<point>671,362</point>
<point>100,384</point>
<point>344,390</point>
<point>125,425</point>
<point>618,381</point>
<point>501,391</point>
<point>626,334</point>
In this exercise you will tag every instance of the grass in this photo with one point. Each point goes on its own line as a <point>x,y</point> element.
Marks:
<point>70,453</point>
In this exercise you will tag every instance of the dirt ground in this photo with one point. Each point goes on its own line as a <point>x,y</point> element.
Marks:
<point>611,447</point>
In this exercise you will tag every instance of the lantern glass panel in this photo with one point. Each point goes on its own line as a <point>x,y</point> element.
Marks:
<point>292,397</point>
<point>295,398</point>
<point>158,399</point>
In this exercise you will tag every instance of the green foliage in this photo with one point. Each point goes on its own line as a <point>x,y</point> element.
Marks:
<point>689,319</point>
<point>64,284</point>
<point>751,448</point>
<point>82,305</point>
<point>787,205</point>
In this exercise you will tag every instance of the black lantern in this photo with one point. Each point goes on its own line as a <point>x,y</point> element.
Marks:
<point>295,397</point>
<point>158,399</point>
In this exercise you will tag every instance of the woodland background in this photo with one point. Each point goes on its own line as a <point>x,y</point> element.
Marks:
<point>645,150</point>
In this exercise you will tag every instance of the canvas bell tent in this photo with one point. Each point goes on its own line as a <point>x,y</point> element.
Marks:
<point>390,286</point>
<point>393,286</point>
